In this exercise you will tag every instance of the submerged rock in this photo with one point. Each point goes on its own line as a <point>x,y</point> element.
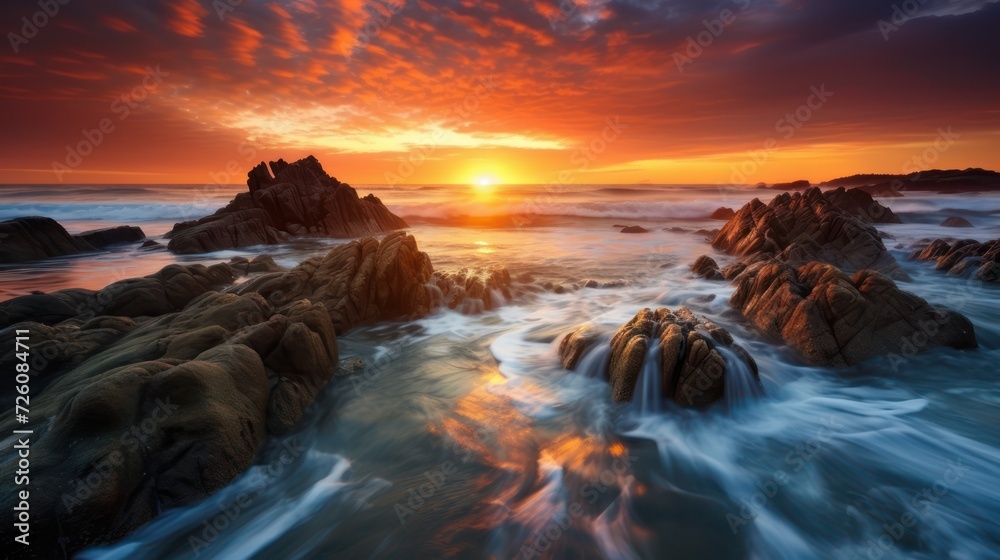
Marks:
<point>956,222</point>
<point>634,229</point>
<point>472,291</point>
<point>300,200</point>
<point>706,267</point>
<point>803,227</point>
<point>834,319</point>
<point>964,258</point>
<point>693,362</point>
<point>723,213</point>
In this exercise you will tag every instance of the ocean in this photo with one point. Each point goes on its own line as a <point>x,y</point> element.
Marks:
<point>463,436</point>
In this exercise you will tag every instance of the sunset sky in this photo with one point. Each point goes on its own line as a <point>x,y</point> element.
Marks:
<point>496,90</point>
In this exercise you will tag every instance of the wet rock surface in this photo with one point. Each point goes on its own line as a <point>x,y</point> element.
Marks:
<point>692,364</point>
<point>706,267</point>
<point>834,319</point>
<point>964,258</point>
<point>300,200</point>
<point>803,227</point>
<point>206,371</point>
<point>473,291</point>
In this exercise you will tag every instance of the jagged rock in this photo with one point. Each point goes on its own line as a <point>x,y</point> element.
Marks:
<point>150,245</point>
<point>261,263</point>
<point>301,199</point>
<point>364,280</point>
<point>34,238</point>
<point>112,236</point>
<point>723,213</point>
<point>204,375</point>
<point>834,319</point>
<point>634,229</point>
<point>860,204</point>
<point>472,291</point>
<point>693,367</point>
<point>956,222</point>
<point>966,257</point>
<point>803,227</point>
<point>706,267</point>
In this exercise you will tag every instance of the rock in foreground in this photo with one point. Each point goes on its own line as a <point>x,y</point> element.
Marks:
<point>690,368</point>
<point>834,319</point>
<point>203,371</point>
<point>300,200</point>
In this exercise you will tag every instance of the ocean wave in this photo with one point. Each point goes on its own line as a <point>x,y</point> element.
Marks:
<point>126,212</point>
<point>700,209</point>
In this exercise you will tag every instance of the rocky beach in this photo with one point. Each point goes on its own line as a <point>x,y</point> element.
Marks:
<point>526,362</point>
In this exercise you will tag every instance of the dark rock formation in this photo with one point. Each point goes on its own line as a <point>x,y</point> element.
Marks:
<point>934,180</point>
<point>706,267</point>
<point>260,263</point>
<point>112,236</point>
<point>803,227</point>
<point>361,281</point>
<point>168,414</point>
<point>723,213</point>
<point>35,238</point>
<point>166,291</point>
<point>834,319</point>
<point>693,367</point>
<point>963,258</point>
<point>203,376</point>
<point>635,229</point>
<point>799,185</point>
<point>300,200</point>
<point>956,222</point>
<point>860,204</point>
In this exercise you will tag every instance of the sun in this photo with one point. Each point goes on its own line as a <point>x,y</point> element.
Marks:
<point>484,187</point>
